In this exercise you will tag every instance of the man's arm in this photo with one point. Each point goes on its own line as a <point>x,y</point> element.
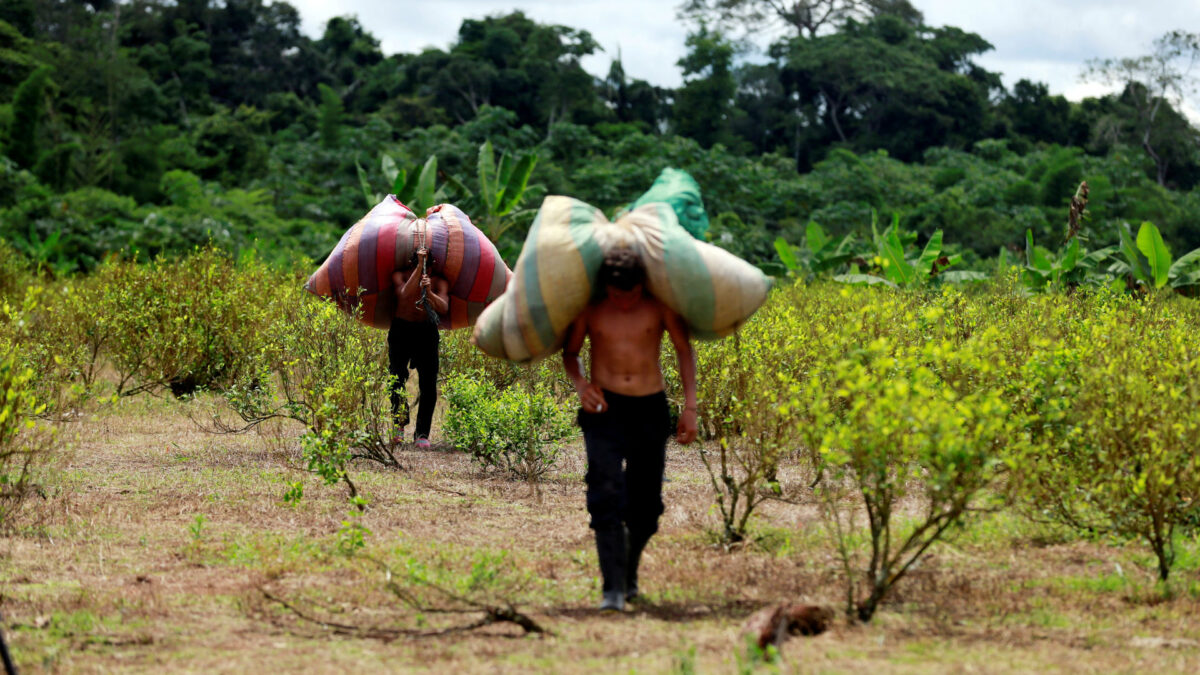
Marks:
<point>590,396</point>
<point>438,291</point>
<point>408,290</point>
<point>681,340</point>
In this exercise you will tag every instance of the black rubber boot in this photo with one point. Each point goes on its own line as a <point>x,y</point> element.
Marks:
<point>610,547</point>
<point>636,543</point>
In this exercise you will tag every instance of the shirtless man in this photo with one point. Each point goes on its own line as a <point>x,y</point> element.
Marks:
<point>624,415</point>
<point>413,338</point>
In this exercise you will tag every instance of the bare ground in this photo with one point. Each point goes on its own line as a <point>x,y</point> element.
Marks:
<point>156,550</point>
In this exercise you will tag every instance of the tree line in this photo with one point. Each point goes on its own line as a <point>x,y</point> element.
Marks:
<point>155,126</point>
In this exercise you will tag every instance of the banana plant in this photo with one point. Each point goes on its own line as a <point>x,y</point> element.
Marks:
<point>1147,260</point>
<point>901,271</point>
<point>47,254</point>
<point>820,253</point>
<point>417,190</point>
<point>503,187</point>
<point>1073,265</point>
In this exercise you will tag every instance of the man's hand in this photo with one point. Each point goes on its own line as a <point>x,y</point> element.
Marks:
<point>591,398</point>
<point>686,431</point>
<point>426,282</point>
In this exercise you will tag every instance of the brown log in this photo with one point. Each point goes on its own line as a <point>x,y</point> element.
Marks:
<point>808,619</point>
<point>772,625</point>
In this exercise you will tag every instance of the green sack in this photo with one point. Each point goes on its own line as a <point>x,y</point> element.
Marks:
<point>554,279</point>
<point>678,189</point>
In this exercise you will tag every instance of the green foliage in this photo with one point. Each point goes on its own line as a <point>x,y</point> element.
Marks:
<point>182,326</point>
<point>885,424</point>
<point>843,117</point>
<point>56,341</point>
<point>742,398</point>
<point>503,187</point>
<point>1058,176</point>
<point>1073,266</point>
<point>26,443</point>
<point>514,430</point>
<point>1112,410</point>
<point>29,104</point>
<point>229,147</point>
<point>418,191</point>
<point>326,371</point>
<point>705,102</point>
<point>15,271</point>
<point>1147,261</point>
<point>352,537</point>
<point>900,270</point>
<point>1158,258</point>
<point>330,116</point>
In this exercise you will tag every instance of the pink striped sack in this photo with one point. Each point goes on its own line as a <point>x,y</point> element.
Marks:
<point>357,275</point>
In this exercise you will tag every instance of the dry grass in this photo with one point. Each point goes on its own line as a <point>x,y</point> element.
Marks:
<point>154,557</point>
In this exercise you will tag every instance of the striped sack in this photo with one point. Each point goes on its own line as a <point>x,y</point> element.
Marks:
<point>358,273</point>
<point>712,289</point>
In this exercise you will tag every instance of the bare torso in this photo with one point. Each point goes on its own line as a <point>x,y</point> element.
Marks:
<point>626,346</point>
<point>626,330</point>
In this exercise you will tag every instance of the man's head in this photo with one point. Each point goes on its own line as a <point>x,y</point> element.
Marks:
<point>622,276</point>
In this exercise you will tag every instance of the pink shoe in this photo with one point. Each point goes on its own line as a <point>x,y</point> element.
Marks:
<point>423,444</point>
<point>398,439</point>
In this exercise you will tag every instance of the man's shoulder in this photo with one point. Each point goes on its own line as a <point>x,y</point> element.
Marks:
<point>659,307</point>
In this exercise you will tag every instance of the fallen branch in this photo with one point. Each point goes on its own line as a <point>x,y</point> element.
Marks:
<point>491,616</point>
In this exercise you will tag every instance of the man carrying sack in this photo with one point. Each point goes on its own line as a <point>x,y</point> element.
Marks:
<point>622,284</point>
<point>625,417</point>
<point>413,339</point>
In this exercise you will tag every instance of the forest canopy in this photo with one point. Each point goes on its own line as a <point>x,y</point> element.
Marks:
<point>150,127</point>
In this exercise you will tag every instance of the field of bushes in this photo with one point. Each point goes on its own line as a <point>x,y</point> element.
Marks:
<point>197,473</point>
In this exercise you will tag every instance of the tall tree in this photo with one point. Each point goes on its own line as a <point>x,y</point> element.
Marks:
<point>1034,113</point>
<point>1161,79</point>
<point>330,116</point>
<point>888,84</point>
<point>29,106</point>
<point>634,101</point>
<point>704,104</point>
<point>349,51</point>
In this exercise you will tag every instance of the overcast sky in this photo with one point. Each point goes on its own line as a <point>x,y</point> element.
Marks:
<point>1042,40</point>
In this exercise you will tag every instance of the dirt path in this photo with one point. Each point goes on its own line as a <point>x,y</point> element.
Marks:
<point>156,554</point>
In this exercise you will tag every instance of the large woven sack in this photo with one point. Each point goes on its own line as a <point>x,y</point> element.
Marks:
<point>712,289</point>
<point>358,273</point>
<point>677,188</point>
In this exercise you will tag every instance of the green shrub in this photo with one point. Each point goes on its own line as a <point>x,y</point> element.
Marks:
<point>742,397</point>
<point>26,444</point>
<point>15,271</point>
<point>1115,420</point>
<point>187,324</point>
<point>888,430</point>
<point>327,371</point>
<point>516,430</point>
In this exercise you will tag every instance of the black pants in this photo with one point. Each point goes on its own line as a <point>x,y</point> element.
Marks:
<point>414,342</point>
<point>626,450</point>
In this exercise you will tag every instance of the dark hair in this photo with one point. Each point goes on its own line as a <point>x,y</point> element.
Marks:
<point>622,269</point>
